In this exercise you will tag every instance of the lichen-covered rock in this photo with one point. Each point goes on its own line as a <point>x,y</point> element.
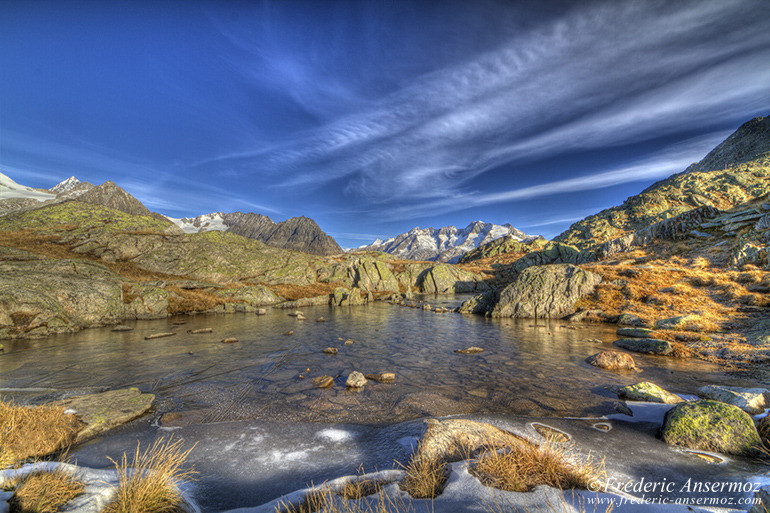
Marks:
<point>107,410</point>
<point>42,297</point>
<point>645,345</point>
<point>355,380</point>
<point>676,323</point>
<point>145,301</point>
<point>612,360</point>
<point>347,297</point>
<point>552,253</point>
<point>751,400</point>
<point>252,295</point>
<point>627,319</point>
<point>711,426</point>
<point>479,304</point>
<point>635,332</point>
<point>447,279</point>
<point>545,291</point>
<point>648,392</point>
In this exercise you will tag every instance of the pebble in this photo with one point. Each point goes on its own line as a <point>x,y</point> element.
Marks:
<point>470,350</point>
<point>230,340</point>
<point>330,350</point>
<point>159,335</point>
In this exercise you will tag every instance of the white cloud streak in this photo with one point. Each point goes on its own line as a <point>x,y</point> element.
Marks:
<point>603,76</point>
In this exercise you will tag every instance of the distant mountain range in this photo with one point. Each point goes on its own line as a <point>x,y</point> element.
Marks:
<point>446,244</point>
<point>297,233</point>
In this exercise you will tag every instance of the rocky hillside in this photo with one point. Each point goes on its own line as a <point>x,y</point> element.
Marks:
<point>735,172</point>
<point>70,265</point>
<point>446,244</point>
<point>110,195</point>
<point>297,233</point>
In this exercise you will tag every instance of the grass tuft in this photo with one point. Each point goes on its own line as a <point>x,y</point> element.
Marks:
<point>521,468</point>
<point>34,431</point>
<point>425,477</point>
<point>325,500</point>
<point>44,492</point>
<point>149,483</point>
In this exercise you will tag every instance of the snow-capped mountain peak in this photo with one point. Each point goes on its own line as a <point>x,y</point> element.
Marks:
<point>65,186</point>
<point>445,244</point>
<point>202,223</point>
<point>10,189</point>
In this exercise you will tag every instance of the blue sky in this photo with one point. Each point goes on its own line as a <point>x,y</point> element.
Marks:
<point>375,117</point>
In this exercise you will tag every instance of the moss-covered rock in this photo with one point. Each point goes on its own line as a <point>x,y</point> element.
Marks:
<point>635,332</point>
<point>649,392</point>
<point>107,410</point>
<point>711,426</point>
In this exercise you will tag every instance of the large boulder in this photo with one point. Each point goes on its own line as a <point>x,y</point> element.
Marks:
<point>454,439</point>
<point>545,291</point>
<point>711,426</point>
<point>42,297</point>
<point>750,400</point>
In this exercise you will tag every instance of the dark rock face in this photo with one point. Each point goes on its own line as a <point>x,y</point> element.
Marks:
<point>110,195</point>
<point>735,172</point>
<point>301,234</point>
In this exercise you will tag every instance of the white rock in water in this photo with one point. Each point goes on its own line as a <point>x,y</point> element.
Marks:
<point>356,380</point>
<point>750,400</point>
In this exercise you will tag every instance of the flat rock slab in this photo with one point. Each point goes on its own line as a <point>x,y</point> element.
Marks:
<point>107,410</point>
<point>635,332</point>
<point>649,392</point>
<point>645,345</point>
<point>470,350</point>
<point>454,439</point>
<point>160,335</point>
<point>750,400</point>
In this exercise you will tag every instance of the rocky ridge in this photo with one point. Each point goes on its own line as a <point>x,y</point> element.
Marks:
<point>735,172</point>
<point>297,233</point>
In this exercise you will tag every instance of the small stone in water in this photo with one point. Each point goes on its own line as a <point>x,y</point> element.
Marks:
<point>122,327</point>
<point>230,340</point>
<point>330,350</point>
<point>382,377</point>
<point>323,381</point>
<point>355,380</point>
<point>320,319</point>
<point>200,330</point>
<point>159,335</point>
<point>349,342</point>
<point>289,332</point>
<point>470,350</point>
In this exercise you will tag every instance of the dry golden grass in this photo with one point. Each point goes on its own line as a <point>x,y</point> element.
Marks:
<point>44,492</point>
<point>521,468</point>
<point>325,500</point>
<point>425,477</point>
<point>46,246</point>
<point>149,482</point>
<point>294,292</point>
<point>187,301</point>
<point>362,487</point>
<point>34,431</point>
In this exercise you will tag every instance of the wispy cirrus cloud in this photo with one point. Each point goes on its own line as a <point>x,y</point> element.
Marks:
<point>597,77</point>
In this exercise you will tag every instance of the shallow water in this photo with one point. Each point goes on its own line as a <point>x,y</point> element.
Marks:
<point>262,431</point>
<point>527,367</point>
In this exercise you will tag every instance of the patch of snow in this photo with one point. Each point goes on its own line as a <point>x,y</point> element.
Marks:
<point>11,189</point>
<point>202,223</point>
<point>334,435</point>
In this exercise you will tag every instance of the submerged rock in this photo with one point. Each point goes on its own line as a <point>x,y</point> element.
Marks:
<point>711,426</point>
<point>649,392</point>
<point>545,291</point>
<point>330,350</point>
<point>106,410</point>
<point>750,400</point>
<point>230,340</point>
<point>160,335</point>
<point>200,330</point>
<point>323,381</point>
<point>382,377</point>
<point>470,350</point>
<point>457,439</point>
<point>122,327</point>
<point>612,360</point>
<point>645,345</point>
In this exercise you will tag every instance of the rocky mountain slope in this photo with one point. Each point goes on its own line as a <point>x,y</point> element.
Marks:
<point>70,265</point>
<point>736,171</point>
<point>110,195</point>
<point>446,244</point>
<point>297,233</point>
